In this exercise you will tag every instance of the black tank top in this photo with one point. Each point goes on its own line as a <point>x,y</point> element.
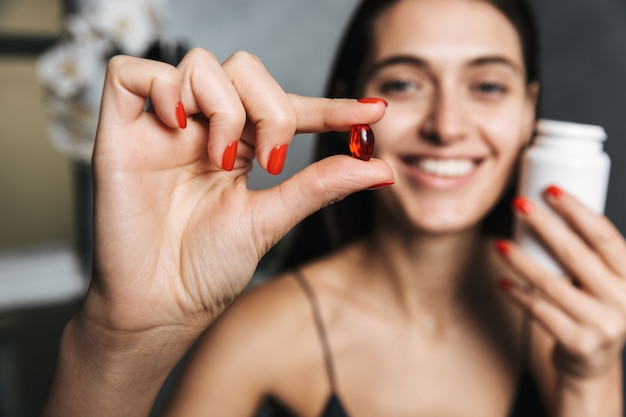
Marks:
<point>527,401</point>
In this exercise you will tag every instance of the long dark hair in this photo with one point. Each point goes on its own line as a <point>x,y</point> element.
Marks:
<point>353,217</point>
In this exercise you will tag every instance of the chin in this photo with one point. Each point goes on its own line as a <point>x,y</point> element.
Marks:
<point>445,226</point>
<point>430,220</point>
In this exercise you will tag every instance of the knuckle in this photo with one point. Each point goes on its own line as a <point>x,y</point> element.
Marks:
<point>587,343</point>
<point>244,57</point>
<point>547,285</point>
<point>232,113</point>
<point>199,55</point>
<point>117,63</point>
<point>285,120</point>
<point>613,328</point>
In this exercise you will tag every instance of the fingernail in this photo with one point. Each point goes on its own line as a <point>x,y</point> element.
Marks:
<point>230,154</point>
<point>522,205</point>
<point>555,191</point>
<point>277,160</point>
<point>505,285</point>
<point>374,100</point>
<point>502,246</point>
<point>181,116</point>
<point>381,185</point>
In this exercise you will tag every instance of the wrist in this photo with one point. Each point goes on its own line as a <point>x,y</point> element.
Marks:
<point>120,373</point>
<point>599,395</point>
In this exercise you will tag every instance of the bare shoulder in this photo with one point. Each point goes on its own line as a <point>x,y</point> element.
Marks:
<point>264,344</point>
<point>253,350</point>
<point>279,308</point>
<point>261,323</point>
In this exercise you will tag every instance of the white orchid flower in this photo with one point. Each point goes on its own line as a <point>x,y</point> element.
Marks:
<point>67,68</point>
<point>79,28</point>
<point>73,71</point>
<point>129,24</point>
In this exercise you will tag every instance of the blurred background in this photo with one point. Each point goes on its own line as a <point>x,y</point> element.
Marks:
<point>44,172</point>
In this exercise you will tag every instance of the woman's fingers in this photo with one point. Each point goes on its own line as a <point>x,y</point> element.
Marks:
<point>238,98</point>
<point>554,320</point>
<point>597,231</point>
<point>322,115</point>
<point>585,328</point>
<point>128,84</point>
<point>559,291</point>
<point>588,320</point>
<point>589,342</point>
<point>315,187</point>
<point>278,116</point>
<point>208,90</point>
<point>267,108</point>
<point>584,265</point>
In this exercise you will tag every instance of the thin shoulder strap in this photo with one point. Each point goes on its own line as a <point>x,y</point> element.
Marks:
<point>328,360</point>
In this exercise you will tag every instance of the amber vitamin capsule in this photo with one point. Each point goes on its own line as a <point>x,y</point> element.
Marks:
<point>362,142</point>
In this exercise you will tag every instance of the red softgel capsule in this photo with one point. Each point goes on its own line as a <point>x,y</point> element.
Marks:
<point>362,142</point>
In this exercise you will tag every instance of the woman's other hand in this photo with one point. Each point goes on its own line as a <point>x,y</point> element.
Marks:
<point>585,313</point>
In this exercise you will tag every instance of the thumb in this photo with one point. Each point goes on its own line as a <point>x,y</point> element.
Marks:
<point>315,187</point>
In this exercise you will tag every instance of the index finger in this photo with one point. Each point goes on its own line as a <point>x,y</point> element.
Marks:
<point>316,115</point>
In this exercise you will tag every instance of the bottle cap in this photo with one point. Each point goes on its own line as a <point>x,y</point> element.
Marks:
<point>556,128</point>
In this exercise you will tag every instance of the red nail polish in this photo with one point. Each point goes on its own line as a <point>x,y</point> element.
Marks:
<point>230,155</point>
<point>181,116</point>
<point>502,246</point>
<point>381,185</point>
<point>555,191</point>
<point>277,160</point>
<point>505,285</point>
<point>522,205</point>
<point>361,142</point>
<point>374,100</point>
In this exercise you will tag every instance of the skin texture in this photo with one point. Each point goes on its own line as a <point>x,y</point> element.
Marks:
<point>414,314</point>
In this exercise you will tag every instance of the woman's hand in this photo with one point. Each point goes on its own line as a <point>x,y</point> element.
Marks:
<point>586,314</point>
<point>178,234</point>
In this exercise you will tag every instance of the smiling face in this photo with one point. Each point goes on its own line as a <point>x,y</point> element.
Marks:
<point>459,109</point>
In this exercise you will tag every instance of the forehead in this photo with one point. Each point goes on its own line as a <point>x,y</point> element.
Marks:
<point>445,30</point>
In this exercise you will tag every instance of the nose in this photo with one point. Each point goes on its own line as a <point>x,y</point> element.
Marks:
<point>446,119</point>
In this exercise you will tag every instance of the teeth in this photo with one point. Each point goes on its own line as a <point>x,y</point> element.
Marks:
<point>446,167</point>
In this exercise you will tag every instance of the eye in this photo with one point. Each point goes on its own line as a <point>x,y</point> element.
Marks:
<point>489,88</point>
<point>398,86</point>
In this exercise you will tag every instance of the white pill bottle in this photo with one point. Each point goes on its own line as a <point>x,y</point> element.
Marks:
<point>570,156</point>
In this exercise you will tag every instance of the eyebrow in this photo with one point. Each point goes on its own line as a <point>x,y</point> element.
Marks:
<point>497,60</point>
<point>396,60</point>
<point>421,63</point>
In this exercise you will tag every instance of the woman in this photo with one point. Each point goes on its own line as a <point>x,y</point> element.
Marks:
<point>405,317</point>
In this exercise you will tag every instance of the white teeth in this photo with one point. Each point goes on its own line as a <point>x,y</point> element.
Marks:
<point>446,167</point>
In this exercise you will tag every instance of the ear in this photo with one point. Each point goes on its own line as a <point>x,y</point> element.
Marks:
<point>532,98</point>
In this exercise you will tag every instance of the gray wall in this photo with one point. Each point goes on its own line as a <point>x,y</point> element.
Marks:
<point>584,57</point>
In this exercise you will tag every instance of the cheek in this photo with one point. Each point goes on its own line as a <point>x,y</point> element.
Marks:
<point>506,131</point>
